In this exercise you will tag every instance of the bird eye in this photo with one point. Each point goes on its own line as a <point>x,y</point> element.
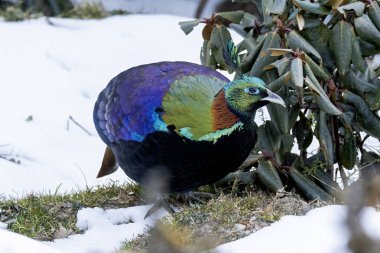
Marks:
<point>252,90</point>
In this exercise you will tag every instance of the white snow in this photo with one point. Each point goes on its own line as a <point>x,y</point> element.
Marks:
<point>14,243</point>
<point>3,225</point>
<point>54,72</point>
<point>106,230</point>
<point>321,230</point>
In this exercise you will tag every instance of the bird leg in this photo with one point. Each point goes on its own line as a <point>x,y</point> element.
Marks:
<point>156,206</point>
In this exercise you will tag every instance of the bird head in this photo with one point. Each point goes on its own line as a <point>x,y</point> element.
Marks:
<point>245,95</point>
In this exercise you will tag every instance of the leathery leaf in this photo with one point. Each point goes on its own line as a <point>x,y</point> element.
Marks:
<point>308,188</point>
<point>347,151</point>
<point>296,72</point>
<point>269,176</point>
<point>340,42</point>
<point>368,120</point>
<point>188,26</point>
<point>272,40</point>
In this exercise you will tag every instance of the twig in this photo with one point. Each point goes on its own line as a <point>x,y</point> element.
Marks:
<point>76,123</point>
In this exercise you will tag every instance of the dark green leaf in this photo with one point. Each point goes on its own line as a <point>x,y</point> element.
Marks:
<point>280,117</point>
<point>270,140</point>
<point>295,41</point>
<point>316,69</point>
<point>367,48</point>
<point>268,175</point>
<point>374,13</point>
<point>367,30</point>
<point>357,56</point>
<point>253,49</point>
<point>293,115</point>
<point>248,20</point>
<point>307,188</point>
<point>340,43</point>
<point>303,132</point>
<point>278,83</point>
<point>370,92</point>
<point>233,16</point>
<point>272,40</point>
<point>267,6</point>
<point>324,138</point>
<point>324,181</point>
<point>315,8</point>
<point>281,65</point>
<point>368,120</point>
<point>358,7</point>
<point>188,26</point>
<point>218,42</point>
<point>278,7</point>
<point>347,151</point>
<point>296,72</point>
<point>322,98</point>
<point>287,142</point>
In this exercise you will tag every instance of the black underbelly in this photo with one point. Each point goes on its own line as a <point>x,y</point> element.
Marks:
<point>178,164</point>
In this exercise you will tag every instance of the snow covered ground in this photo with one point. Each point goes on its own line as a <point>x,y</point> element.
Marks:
<point>52,72</point>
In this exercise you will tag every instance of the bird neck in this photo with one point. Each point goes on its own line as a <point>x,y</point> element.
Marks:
<point>222,116</point>
<point>224,111</point>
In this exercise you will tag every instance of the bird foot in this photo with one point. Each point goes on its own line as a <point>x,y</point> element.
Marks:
<point>164,203</point>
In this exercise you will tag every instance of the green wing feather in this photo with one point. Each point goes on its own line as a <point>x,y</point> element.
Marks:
<point>188,104</point>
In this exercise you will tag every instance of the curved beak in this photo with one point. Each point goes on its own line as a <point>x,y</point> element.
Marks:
<point>274,98</point>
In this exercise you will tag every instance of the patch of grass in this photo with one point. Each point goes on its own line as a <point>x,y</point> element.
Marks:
<point>87,11</point>
<point>227,217</point>
<point>50,216</point>
<point>16,13</point>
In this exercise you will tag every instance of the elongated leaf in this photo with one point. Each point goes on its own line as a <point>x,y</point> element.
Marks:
<point>218,42</point>
<point>303,132</point>
<point>253,48</point>
<point>296,72</point>
<point>280,65</point>
<point>367,48</point>
<point>272,40</point>
<point>267,6</point>
<point>370,92</point>
<point>315,8</point>
<point>367,119</point>
<point>233,16</point>
<point>357,56</point>
<point>367,30</point>
<point>270,140</point>
<point>275,52</point>
<point>374,13</point>
<point>324,138</point>
<point>340,42</point>
<point>295,41</point>
<point>347,151</point>
<point>333,3</point>
<point>278,83</point>
<point>293,114</point>
<point>279,6</point>
<point>324,181</point>
<point>307,188</point>
<point>268,175</point>
<point>357,7</point>
<point>316,69</point>
<point>323,100</point>
<point>188,26</point>
<point>280,117</point>
<point>300,21</point>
